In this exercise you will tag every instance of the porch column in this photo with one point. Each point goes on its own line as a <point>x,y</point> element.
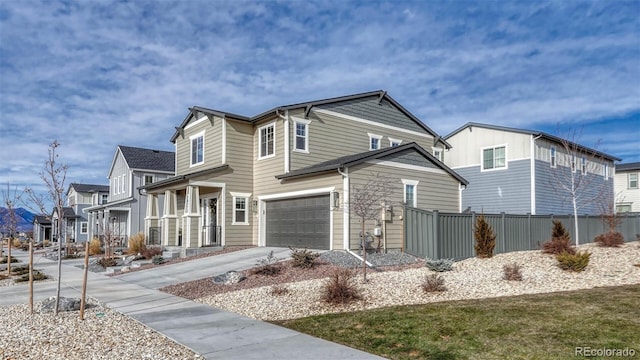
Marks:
<point>151,221</point>
<point>169,219</point>
<point>192,236</point>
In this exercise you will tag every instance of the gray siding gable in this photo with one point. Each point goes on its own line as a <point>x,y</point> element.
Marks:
<point>410,158</point>
<point>369,109</point>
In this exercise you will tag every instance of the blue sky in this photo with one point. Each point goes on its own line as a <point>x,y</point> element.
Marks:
<point>95,74</point>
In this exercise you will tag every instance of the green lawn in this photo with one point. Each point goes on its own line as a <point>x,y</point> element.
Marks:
<point>546,326</point>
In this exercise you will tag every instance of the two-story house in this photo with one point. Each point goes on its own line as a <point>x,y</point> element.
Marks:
<point>627,189</point>
<point>522,171</point>
<point>79,197</point>
<point>284,177</point>
<point>121,211</point>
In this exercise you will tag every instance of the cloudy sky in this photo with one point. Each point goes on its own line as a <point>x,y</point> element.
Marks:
<point>95,74</point>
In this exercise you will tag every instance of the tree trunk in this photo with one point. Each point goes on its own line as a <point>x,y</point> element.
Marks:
<point>83,301</point>
<point>31,276</point>
<point>575,221</point>
<point>364,253</point>
<point>55,308</point>
<point>10,241</point>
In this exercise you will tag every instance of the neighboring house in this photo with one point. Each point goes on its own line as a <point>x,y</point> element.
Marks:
<point>283,177</point>
<point>79,197</point>
<point>627,187</point>
<point>41,228</point>
<point>121,210</point>
<point>520,171</point>
<point>67,221</point>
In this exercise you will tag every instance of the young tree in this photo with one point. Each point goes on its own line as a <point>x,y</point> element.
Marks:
<point>365,203</point>
<point>10,199</point>
<point>485,238</point>
<point>54,176</point>
<point>578,176</point>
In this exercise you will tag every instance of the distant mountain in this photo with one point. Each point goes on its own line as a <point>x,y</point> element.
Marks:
<point>24,217</point>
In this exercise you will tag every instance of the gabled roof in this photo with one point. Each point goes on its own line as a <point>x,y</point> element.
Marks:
<point>355,159</point>
<point>541,134</point>
<point>148,159</point>
<point>179,178</point>
<point>88,188</point>
<point>67,212</point>
<point>628,166</point>
<point>380,94</point>
<point>42,220</point>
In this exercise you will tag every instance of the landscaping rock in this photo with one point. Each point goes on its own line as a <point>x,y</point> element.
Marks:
<point>66,304</point>
<point>228,278</point>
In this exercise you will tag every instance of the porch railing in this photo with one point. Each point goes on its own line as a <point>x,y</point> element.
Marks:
<point>212,235</point>
<point>153,237</point>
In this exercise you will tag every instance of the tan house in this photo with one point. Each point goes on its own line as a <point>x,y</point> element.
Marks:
<point>284,177</point>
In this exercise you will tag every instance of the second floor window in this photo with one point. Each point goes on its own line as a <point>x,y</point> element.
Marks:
<point>584,165</point>
<point>554,157</point>
<point>374,141</point>
<point>302,137</point>
<point>267,141</point>
<point>437,153</point>
<point>197,149</point>
<point>633,180</point>
<point>148,179</point>
<point>105,198</point>
<point>494,158</point>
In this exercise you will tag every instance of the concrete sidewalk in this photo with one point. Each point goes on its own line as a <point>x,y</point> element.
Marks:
<point>211,332</point>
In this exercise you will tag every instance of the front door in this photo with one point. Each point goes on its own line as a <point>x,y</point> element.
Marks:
<point>211,228</point>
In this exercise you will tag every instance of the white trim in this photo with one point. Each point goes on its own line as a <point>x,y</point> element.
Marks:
<point>533,175</point>
<point>413,183</point>
<point>191,138</point>
<point>260,157</point>
<point>506,157</point>
<point>406,166</point>
<point>552,149</point>
<point>368,122</point>
<point>374,136</point>
<point>286,149</point>
<point>224,141</point>
<point>87,230</point>
<point>198,121</point>
<point>345,210</point>
<point>440,150</point>
<point>461,188</point>
<point>299,193</point>
<point>295,134</point>
<point>247,213</point>
<point>391,141</point>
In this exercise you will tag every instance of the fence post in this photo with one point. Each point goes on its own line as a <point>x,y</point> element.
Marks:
<point>530,239</point>
<point>473,225</point>
<point>503,228</point>
<point>436,231</point>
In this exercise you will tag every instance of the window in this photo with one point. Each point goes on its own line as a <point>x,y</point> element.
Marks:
<point>117,184</point>
<point>554,157</point>
<point>84,227</point>
<point>410,192</point>
<point>605,171</point>
<point>573,163</point>
<point>583,165</point>
<point>240,208</point>
<point>267,141</point>
<point>494,158</point>
<point>148,179</point>
<point>437,153</point>
<point>197,149</point>
<point>105,198</point>
<point>394,142</point>
<point>302,136</point>
<point>124,182</point>
<point>633,180</point>
<point>623,208</point>
<point>374,141</point>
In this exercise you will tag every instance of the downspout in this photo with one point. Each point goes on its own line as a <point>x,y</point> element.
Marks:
<point>533,173</point>
<point>345,224</point>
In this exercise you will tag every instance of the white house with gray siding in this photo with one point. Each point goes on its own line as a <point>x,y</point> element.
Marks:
<point>284,177</point>
<point>79,197</point>
<point>522,171</point>
<point>627,187</point>
<point>122,210</point>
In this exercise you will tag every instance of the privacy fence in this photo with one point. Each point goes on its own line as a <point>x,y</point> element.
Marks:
<point>439,235</point>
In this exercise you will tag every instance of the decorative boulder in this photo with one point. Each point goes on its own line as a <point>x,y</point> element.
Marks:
<point>229,278</point>
<point>66,304</point>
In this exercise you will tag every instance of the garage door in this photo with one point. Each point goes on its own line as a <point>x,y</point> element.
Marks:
<point>300,222</point>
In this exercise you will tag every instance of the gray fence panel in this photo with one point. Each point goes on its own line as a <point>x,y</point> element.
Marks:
<point>450,235</point>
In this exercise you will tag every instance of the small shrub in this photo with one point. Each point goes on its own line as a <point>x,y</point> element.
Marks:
<point>609,239</point>
<point>95,247</point>
<point>20,270</point>
<point>4,276</point>
<point>3,260</point>
<point>560,241</point>
<point>340,288</point>
<point>106,262</point>
<point>512,272</point>
<point>45,243</point>
<point>37,276</point>
<point>136,244</point>
<point>439,265</point>
<point>16,243</point>
<point>151,251</point>
<point>433,283</point>
<point>303,258</point>
<point>157,260</point>
<point>573,262</point>
<point>268,266</point>
<point>279,290</point>
<point>485,238</point>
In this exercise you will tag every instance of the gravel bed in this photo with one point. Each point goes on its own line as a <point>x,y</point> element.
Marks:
<point>342,258</point>
<point>104,334</point>
<point>470,279</point>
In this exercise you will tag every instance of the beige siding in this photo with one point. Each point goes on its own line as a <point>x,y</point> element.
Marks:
<point>331,137</point>
<point>435,191</point>
<point>212,146</point>
<point>468,144</point>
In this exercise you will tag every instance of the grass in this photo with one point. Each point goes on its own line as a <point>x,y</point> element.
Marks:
<point>540,326</point>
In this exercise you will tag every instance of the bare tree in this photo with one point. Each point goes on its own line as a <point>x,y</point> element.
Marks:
<point>10,200</point>
<point>110,235</point>
<point>365,203</point>
<point>578,176</point>
<point>54,176</point>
